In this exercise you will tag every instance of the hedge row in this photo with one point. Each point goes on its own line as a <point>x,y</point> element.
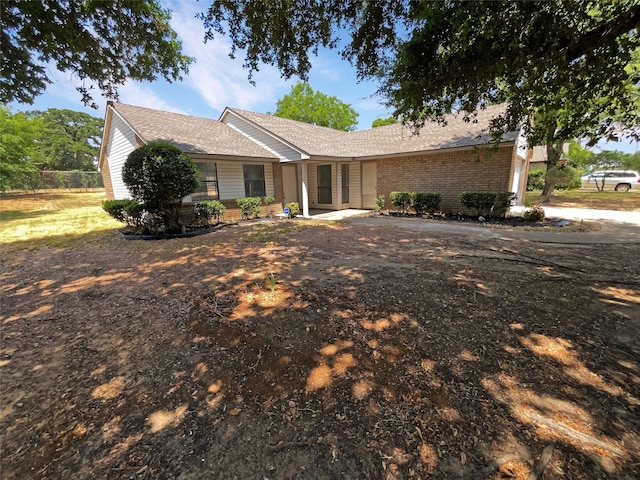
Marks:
<point>492,204</point>
<point>149,220</point>
<point>421,202</point>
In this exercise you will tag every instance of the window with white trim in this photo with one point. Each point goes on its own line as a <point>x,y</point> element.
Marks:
<point>254,184</point>
<point>208,182</point>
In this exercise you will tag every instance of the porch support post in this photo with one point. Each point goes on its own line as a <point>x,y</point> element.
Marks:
<point>305,191</point>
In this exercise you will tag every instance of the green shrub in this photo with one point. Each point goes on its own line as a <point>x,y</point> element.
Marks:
<point>565,177</point>
<point>203,212</point>
<point>425,202</point>
<point>401,200</point>
<point>160,175</point>
<point>534,214</point>
<point>294,209</point>
<point>488,204</point>
<point>249,206</point>
<point>502,203</point>
<point>128,212</point>
<point>268,200</point>
<point>379,204</point>
<point>535,180</point>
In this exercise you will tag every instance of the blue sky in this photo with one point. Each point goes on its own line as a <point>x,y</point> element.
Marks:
<point>215,81</point>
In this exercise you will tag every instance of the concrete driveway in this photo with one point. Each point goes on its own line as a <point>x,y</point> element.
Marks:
<point>586,214</point>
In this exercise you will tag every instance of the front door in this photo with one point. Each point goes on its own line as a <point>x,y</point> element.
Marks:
<point>369,184</point>
<point>324,184</point>
<point>290,183</point>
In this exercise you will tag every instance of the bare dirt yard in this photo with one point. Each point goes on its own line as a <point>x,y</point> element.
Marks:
<point>297,349</point>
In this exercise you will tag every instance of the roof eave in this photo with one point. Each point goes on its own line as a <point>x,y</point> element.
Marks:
<point>434,150</point>
<point>216,156</point>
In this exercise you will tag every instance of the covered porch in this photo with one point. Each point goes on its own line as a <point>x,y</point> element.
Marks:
<point>331,186</point>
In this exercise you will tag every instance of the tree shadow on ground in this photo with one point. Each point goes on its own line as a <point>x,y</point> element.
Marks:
<point>375,353</point>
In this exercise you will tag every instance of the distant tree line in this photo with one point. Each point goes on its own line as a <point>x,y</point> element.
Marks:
<point>581,161</point>
<point>51,140</point>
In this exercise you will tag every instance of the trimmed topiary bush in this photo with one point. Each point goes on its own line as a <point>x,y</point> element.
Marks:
<point>159,175</point>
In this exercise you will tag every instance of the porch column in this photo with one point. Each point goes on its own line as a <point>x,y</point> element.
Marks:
<point>305,191</point>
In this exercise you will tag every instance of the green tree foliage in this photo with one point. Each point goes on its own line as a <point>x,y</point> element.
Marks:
<point>159,175</point>
<point>566,69</point>
<point>634,161</point>
<point>18,146</point>
<point>588,161</point>
<point>535,180</point>
<point>381,122</point>
<point>69,140</point>
<point>580,157</point>
<point>307,105</point>
<point>104,43</point>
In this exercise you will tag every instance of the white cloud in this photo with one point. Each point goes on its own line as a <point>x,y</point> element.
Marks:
<point>141,95</point>
<point>218,79</point>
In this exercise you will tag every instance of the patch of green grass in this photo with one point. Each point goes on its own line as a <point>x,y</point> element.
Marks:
<point>57,220</point>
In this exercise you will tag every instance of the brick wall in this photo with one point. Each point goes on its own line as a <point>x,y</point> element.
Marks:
<point>447,173</point>
<point>106,179</point>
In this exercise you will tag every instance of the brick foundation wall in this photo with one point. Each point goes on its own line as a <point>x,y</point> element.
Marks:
<point>446,173</point>
<point>232,213</point>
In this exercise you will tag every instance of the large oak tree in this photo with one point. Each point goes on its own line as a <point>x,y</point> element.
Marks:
<point>104,43</point>
<point>565,69</point>
<point>69,140</point>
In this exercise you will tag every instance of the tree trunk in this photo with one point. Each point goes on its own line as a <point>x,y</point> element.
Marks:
<point>553,155</point>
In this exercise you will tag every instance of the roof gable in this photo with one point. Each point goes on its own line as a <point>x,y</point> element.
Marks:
<point>193,135</point>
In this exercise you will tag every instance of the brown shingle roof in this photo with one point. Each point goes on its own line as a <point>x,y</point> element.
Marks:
<point>191,134</point>
<point>312,139</point>
<point>208,136</point>
<point>387,140</point>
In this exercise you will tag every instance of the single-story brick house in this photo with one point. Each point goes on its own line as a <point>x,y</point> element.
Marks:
<point>252,154</point>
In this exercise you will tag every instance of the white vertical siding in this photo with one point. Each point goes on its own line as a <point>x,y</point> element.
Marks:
<point>266,141</point>
<point>522,145</point>
<point>122,143</point>
<point>355,194</point>
<point>231,178</point>
<point>312,185</point>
